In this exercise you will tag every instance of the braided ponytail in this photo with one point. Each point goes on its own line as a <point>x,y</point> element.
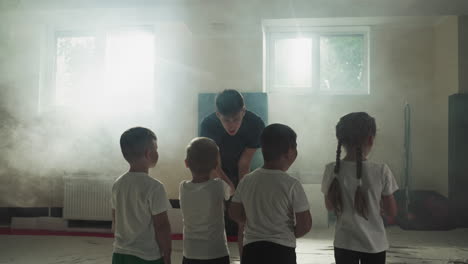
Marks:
<point>360,203</point>
<point>334,191</point>
<point>352,131</point>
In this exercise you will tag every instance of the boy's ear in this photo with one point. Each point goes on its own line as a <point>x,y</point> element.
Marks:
<point>186,163</point>
<point>292,153</point>
<point>147,153</point>
<point>370,140</point>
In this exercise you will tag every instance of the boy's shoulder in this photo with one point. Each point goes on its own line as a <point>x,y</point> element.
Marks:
<point>260,172</point>
<point>188,183</point>
<point>291,179</point>
<point>138,178</point>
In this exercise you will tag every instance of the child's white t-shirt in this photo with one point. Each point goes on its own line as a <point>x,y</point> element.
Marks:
<point>352,231</point>
<point>270,199</point>
<point>202,206</point>
<point>136,197</point>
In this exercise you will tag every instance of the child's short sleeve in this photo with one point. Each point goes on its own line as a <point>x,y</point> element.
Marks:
<point>389,183</point>
<point>181,190</point>
<point>158,201</point>
<point>328,175</point>
<point>226,190</point>
<point>299,198</point>
<point>112,200</point>
<point>237,198</point>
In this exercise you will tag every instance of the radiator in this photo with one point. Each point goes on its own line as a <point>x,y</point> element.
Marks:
<point>87,198</point>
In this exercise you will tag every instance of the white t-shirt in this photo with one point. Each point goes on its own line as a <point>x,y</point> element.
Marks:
<point>270,199</point>
<point>202,206</point>
<point>136,197</point>
<point>352,231</point>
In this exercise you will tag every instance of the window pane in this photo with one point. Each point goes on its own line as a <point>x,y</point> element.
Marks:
<point>76,71</point>
<point>341,63</point>
<point>129,76</point>
<point>293,63</point>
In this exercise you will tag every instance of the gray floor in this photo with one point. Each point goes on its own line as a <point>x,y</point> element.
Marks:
<point>406,247</point>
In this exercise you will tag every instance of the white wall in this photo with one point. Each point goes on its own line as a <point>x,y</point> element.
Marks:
<point>445,84</point>
<point>196,56</point>
<point>401,71</point>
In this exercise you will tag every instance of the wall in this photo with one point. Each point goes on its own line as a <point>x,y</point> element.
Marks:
<point>196,55</point>
<point>42,147</point>
<point>445,84</point>
<point>401,71</point>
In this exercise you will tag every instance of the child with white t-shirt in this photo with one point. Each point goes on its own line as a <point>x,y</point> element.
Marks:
<point>354,189</point>
<point>202,204</point>
<point>139,205</point>
<point>272,205</point>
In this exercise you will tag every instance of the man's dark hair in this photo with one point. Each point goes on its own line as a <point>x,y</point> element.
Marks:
<point>229,102</point>
<point>135,141</point>
<point>276,140</point>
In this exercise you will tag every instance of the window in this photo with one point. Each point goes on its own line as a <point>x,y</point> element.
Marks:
<point>325,60</point>
<point>106,72</point>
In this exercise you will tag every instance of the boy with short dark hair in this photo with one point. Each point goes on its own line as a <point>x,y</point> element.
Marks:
<point>139,204</point>
<point>202,203</point>
<point>272,204</point>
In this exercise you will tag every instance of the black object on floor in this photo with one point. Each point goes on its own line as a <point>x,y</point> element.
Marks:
<point>6,213</point>
<point>428,210</point>
<point>175,203</point>
<point>89,224</point>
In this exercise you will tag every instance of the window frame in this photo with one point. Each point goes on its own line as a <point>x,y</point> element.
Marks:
<point>48,70</point>
<point>274,33</point>
<point>99,38</point>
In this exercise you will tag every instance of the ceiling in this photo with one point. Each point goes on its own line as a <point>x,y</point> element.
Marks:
<point>265,8</point>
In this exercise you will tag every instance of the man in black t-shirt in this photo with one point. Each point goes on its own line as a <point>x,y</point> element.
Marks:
<point>237,133</point>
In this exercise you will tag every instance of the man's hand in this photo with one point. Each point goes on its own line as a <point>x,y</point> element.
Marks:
<point>244,161</point>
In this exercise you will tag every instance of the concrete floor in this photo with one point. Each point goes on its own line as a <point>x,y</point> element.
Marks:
<point>435,247</point>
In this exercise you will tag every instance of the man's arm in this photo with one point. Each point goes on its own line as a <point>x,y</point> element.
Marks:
<point>245,160</point>
<point>162,230</point>
<point>220,173</point>
<point>328,204</point>
<point>237,212</point>
<point>303,223</point>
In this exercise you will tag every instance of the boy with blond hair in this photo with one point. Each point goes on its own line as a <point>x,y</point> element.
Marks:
<point>202,203</point>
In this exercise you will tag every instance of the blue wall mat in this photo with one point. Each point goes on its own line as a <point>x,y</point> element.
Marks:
<point>255,102</point>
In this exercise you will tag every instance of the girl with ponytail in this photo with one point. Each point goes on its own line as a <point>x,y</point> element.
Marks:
<point>354,189</point>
